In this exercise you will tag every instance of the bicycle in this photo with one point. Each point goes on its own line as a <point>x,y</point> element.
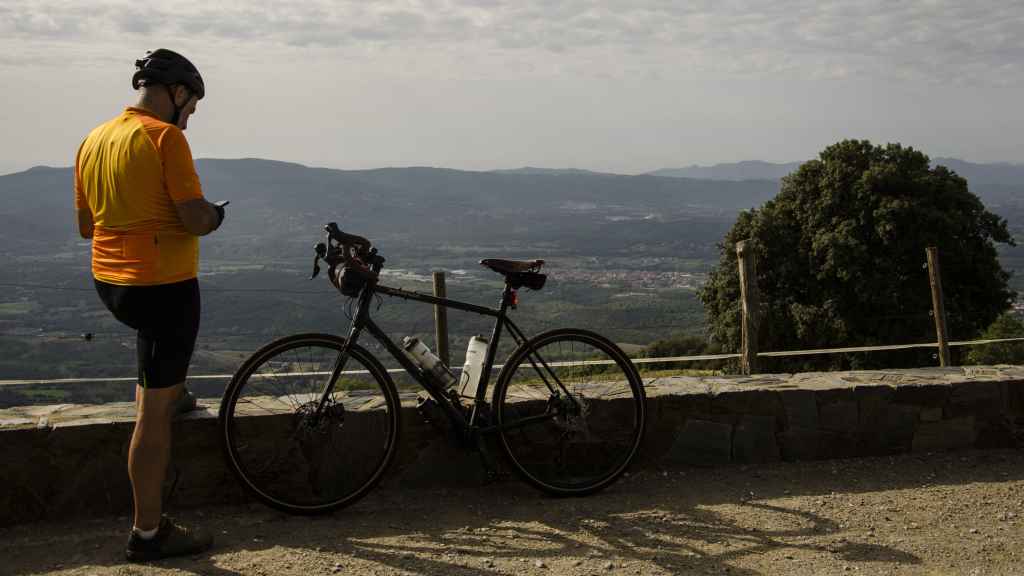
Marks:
<point>309,423</point>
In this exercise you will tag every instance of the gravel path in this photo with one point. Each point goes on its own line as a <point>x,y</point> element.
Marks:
<point>957,513</point>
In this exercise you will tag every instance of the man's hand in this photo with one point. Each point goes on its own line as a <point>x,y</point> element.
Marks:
<point>199,216</point>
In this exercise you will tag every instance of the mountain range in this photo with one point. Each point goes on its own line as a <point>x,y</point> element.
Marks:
<point>276,205</point>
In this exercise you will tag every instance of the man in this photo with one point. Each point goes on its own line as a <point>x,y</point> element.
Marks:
<point>138,197</point>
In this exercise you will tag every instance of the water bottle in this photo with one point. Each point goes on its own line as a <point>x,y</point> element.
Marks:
<point>472,370</point>
<point>428,362</point>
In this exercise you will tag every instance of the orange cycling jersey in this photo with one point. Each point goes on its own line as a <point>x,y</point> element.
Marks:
<point>130,172</point>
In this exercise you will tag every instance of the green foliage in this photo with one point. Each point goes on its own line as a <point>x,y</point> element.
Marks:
<point>1006,326</point>
<point>841,258</point>
<point>683,345</point>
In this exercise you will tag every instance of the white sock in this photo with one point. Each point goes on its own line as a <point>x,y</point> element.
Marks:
<point>146,534</point>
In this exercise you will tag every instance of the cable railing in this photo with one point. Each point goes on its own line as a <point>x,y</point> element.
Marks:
<point>637,360</point>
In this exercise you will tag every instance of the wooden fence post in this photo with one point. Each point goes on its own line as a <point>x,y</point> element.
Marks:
<point>938,307</point>
<point>441,320</point>
<point>751,307</point>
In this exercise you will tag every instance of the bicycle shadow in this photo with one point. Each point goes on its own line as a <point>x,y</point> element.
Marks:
<point>674,538</point>
<point>613,527</point>
<point>684,521</point>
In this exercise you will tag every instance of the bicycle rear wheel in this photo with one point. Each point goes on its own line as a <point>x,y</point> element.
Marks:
<point>284,455</point>
<point>571,411</point>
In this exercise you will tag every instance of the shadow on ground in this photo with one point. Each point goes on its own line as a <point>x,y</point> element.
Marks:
<point>676,520</point>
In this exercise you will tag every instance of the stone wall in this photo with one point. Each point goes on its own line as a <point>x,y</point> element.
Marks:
<point>67,460</point>
<point>839,415</point>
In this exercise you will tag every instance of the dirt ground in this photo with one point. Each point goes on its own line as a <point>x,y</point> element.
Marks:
<point>955,513</point>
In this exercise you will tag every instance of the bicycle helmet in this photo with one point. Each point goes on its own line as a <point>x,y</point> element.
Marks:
<point>167,67</point>
<point>163,66</point>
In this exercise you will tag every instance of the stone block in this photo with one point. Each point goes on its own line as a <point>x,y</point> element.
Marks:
<point>930,395</point>
<point>1014,394</point>
<point>757,402</point>
<point>834,395</point>
<point>839,417</point>
<point>801,409</point>
<point>1000,433</point>
<point>945,435</point>
<point>983,400</point>
<point>660,431</point>
<point>680,407</point>
<point>872,418</point>
<point>702,443</point>
<point>838,445</point>
<point>753,440</point>
<point>800,444</point>
<point>460,468</point>
<point>901,423</point>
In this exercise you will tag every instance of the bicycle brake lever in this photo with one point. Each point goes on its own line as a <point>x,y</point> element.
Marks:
<point>321,251</point>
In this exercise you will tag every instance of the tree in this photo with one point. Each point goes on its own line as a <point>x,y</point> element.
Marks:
<point>841,259</point>
<point>1006,326</point>
<point>682,345</point>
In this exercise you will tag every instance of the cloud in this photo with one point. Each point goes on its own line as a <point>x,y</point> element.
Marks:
<point>930,40</point>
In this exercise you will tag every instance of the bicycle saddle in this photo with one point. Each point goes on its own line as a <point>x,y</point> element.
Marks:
<point>512,266</point>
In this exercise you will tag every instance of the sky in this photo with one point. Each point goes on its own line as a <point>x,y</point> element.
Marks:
<point>616,86</point>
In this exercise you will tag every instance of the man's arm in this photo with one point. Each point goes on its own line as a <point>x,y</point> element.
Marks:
<point>85,223</point>
<point>199,216</point>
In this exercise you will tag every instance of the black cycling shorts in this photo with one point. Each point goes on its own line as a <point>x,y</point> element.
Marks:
<point>166,317</point>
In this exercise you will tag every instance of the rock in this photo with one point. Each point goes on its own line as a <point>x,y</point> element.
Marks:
<point>945,435</point>
<point>702,443</point>
<point>801,409</point>
<point>800,444</point>
<point>839,417</point>
<point>932,414</point>
<point>540,564</point>
<point>609,566</point>
<point>753,440</point>
<point>901,423</point>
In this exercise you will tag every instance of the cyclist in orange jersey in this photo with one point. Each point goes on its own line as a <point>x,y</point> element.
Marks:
<point>138,198</point>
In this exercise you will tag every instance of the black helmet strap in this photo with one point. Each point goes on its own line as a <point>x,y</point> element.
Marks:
<point>177,109</point>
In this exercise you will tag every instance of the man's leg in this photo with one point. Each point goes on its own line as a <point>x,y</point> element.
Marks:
<point>150,451</point>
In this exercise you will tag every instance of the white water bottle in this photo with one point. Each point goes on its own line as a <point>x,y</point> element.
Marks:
<point>472,370</point>
<point>431,364</point>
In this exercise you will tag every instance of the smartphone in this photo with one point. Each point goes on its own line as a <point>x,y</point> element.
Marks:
<point>222,203</point>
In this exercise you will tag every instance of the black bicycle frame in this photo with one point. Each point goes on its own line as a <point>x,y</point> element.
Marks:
<point>362,321</point>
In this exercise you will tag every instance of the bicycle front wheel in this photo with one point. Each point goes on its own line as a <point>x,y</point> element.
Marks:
<point>282,451</point>
<point>571,411</point>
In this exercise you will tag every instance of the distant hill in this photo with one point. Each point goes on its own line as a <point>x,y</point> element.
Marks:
<point>545,171</point>
<point>746,170</point>
<point>277,206</point>
<point>997,184</point>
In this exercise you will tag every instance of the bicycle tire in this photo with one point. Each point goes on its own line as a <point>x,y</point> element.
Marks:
<point>306,473</point>
<point>608,415</point>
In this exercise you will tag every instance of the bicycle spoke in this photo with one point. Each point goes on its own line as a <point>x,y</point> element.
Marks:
<point>593,432</point>
<point>294,457</point>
